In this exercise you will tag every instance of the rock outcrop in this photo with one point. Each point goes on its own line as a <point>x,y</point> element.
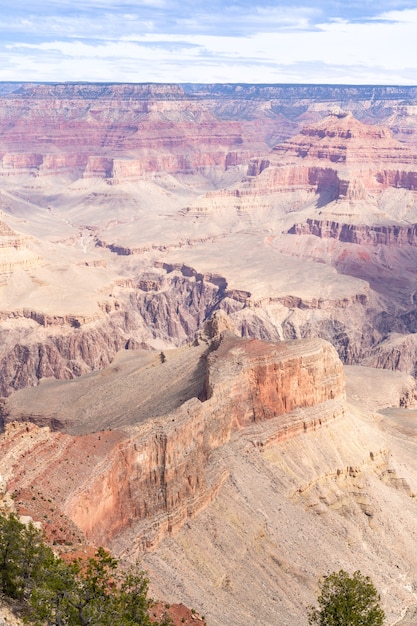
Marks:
<point>358,164</point>
<point>14,252</point>
<point>362,234</point>
<point>338,158</point>
<point>144,483</point>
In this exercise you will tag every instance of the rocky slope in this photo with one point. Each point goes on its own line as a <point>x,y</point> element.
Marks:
<point>337,158</point>
<point>161,472</point>
<point>228,484</point>
<point>131,214</point>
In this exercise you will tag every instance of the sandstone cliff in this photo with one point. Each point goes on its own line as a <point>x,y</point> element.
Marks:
<point>131,214</point>
<point>147,482</point>
<point>229,481</point>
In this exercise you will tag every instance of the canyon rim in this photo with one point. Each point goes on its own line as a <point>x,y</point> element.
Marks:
<point>208,334</point>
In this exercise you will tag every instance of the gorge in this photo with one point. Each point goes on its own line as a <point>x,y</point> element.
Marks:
<point>207,305</point>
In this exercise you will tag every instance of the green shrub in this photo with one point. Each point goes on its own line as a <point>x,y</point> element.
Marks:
<point>347,601</point>
<point>95,592</point>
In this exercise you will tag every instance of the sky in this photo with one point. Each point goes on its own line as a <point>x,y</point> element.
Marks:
<point>210,41</point>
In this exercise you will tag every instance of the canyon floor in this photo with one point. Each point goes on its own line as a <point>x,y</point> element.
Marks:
<point>208,335</point>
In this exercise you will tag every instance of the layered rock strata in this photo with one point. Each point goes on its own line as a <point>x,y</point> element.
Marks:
<point>327,181</point>
<point>122,132</point>
<point>362,234</point>
<point>335,158</point>
<point>173,469</point>
<point>154,311</point>
<point>145,482</point>
<point>14,252</point>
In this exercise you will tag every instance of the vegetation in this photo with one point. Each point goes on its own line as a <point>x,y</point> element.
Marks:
<point>53,592</point>
<point>347,601</point>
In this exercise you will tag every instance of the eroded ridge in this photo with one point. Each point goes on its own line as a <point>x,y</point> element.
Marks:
<point>138,484</point>
<point>169,469</point>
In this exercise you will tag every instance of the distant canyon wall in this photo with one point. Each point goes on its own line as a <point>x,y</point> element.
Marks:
<point>362,234</point>
<point>123,132</point>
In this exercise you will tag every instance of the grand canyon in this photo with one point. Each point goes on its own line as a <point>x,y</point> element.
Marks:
<point>208,321</point>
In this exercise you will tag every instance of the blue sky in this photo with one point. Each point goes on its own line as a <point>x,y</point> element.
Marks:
<point>357,42</point>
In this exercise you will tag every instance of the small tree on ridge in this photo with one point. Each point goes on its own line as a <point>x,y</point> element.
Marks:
<point>347,601</point>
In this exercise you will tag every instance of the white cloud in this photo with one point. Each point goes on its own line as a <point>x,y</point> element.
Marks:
<point>407,15</point>
<point>336,50</point>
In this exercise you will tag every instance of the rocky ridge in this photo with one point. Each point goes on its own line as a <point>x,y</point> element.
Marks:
<point>173,471</point>
<point>270,416</point>
<point>313,240</point>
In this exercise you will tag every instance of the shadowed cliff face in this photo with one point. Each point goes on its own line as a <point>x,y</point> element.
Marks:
<point>166,311</point>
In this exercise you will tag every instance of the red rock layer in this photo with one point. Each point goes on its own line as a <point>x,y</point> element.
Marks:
<point>340,138</point>
<point>117,131</point>
<point>337,157</point>
<point>169,470</point>
<point>121,132</point>
<point>342,156</point>
<point>135,487</point>
<point>359,233</point>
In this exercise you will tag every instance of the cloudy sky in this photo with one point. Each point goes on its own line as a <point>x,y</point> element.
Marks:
<point>358,41</point>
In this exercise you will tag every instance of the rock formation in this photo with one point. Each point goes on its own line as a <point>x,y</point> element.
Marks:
<point>268,451</point>
<point>172,468</point>
<point>338,158</point>
<point>14,252</point>
<point>131,215</point>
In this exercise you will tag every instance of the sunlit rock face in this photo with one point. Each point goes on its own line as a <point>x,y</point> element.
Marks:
<point>157,205</point>
<point>225,454</point>
<point>158,473</point>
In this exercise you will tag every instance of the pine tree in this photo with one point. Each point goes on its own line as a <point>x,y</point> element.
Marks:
<point>347,601</point>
